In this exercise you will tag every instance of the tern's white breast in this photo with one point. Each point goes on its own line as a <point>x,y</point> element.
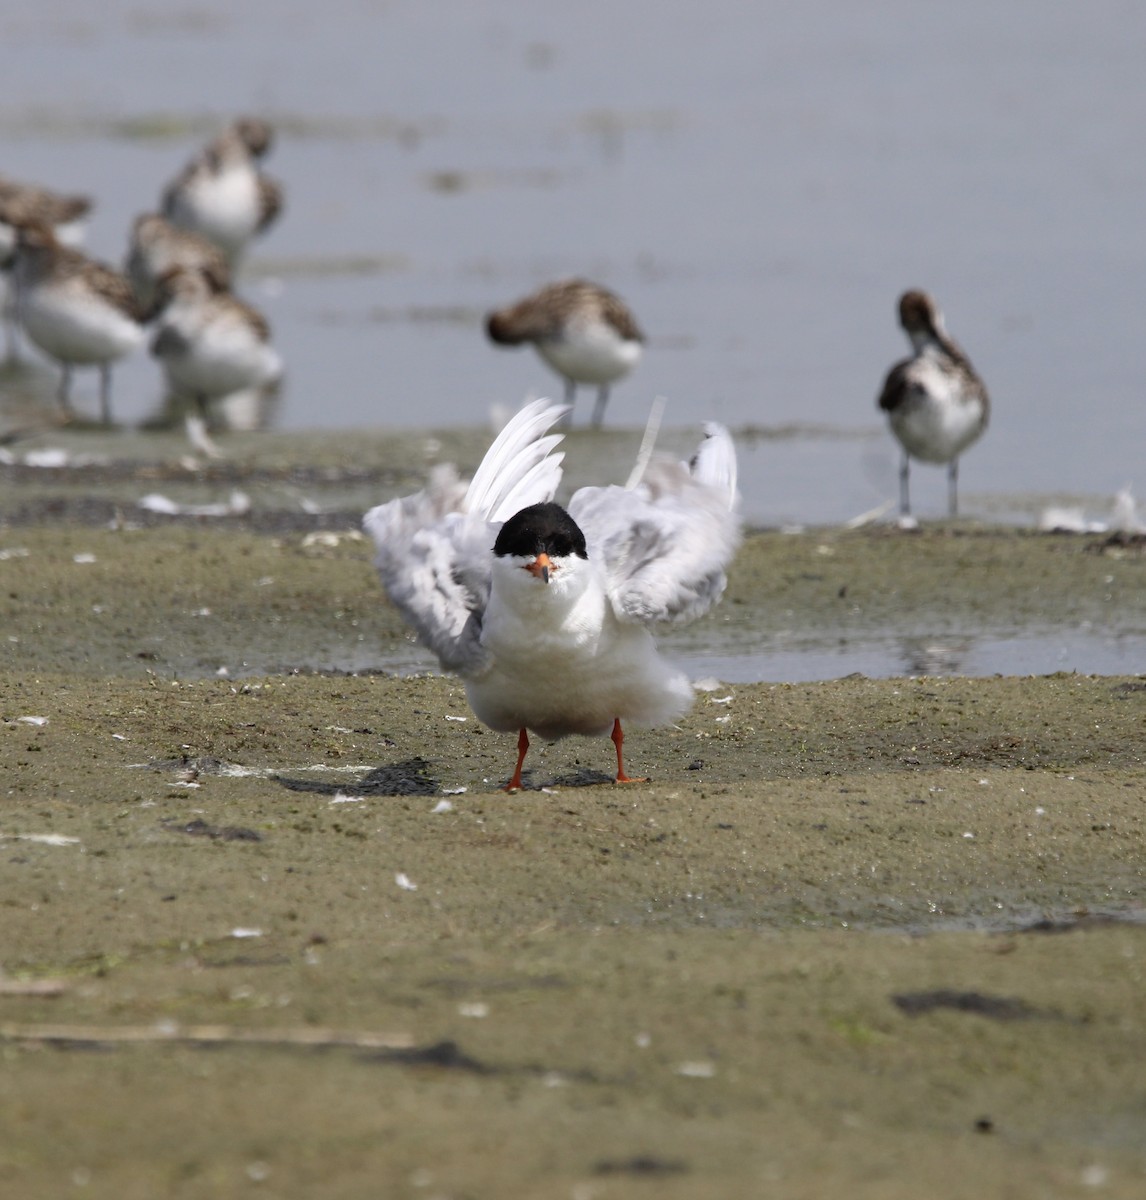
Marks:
<point>563,664</point>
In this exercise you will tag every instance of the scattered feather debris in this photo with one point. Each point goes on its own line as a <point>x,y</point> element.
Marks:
<point>32,720</point>
<point>405,882</point>
<point>239,504</point>
<point>342,798</point>
<point>475,1009</point>
<point>52,457</point>
<point>242,931</point>
<point>328,539</point>
<point>872,515</point>
<point>696,1070</point>
<point>1123,517</point>
<point>442,806</point>
<point>201,1035</point>
<point>42,839</point>
<point>1068,520</point>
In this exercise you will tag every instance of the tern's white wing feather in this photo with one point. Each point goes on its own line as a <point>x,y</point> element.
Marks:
<point>666,542</point>
<point>519,468</point>
<point>433,548</point>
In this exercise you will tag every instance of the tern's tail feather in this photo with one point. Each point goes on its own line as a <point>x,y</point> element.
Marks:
<point>714,462</point>
<point>519,469</point>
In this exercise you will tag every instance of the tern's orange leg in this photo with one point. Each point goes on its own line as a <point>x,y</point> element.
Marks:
<point>522,750</point>
<point>618,736</point>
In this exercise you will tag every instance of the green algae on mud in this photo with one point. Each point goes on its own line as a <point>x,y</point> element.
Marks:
<point>687,985</point>
<point>911,803</point>
<point>691,981</point>
<point>186,598</point>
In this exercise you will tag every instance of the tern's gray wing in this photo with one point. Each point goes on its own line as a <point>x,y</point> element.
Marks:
<point>666,542</point>
<point>435,548</point>
<point>434,564</point>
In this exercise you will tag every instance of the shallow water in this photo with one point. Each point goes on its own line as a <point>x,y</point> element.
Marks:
<point>759,183</point>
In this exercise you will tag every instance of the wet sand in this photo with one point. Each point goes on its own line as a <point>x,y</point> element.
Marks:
<point>876,936</point>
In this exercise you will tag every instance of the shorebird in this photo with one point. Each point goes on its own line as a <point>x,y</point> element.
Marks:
<point>222,194</point>
<point>584,332</point>
<point>210,342</point>
<point>935,400</point>
<point>544,610</point>
<point>19,204</point>
<point>78,311</point>
<point>157,247</point>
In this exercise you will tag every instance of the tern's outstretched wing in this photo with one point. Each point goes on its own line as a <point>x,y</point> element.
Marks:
<point>666,541</point>
<point>434,548</point>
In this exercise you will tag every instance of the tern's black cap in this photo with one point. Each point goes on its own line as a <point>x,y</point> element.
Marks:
<point>540,528</point>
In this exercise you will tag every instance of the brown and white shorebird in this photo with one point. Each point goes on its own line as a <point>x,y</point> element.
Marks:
<point>76,310</point>
<point>210,342</point>
<point>584,332</point>
<point>222,194</point>
<point>935,400</point>
<point>19,204</point>
<point>158,247</point>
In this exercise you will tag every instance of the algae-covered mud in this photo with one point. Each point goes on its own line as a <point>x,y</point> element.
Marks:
<point>874,936</point>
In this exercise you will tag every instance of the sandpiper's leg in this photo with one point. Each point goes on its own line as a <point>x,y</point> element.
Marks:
<point>570,398</point>
<point>599,407</point>
<point>65,394</point>
<point>953,488</point>
<point>11,336</point>
<point>195,422</point>
<point>904,498</point>
<point>105,393</point>
<point>618,736</point>
<point>522,750</point>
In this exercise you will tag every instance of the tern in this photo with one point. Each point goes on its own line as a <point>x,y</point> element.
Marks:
<point>543,610</point>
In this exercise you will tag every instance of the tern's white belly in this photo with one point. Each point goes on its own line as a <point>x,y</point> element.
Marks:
<point>576,678</point>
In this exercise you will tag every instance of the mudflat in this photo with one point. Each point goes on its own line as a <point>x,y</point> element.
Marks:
<point>269,925</point>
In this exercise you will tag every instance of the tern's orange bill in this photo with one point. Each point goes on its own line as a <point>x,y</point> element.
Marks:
<point>541,565</point>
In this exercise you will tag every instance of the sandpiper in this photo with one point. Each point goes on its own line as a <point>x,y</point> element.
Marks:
<point>935,400</point>
<point>210,342</point>
<point>583,331</point>
<point>78,311</point>
<point>23,202</point>
<point>157,247</point>
<point>222,194</point>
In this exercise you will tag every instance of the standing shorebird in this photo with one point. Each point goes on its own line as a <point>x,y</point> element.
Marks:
<point>78,311</point>
<point>935,400</point>
<point>19,204</point>
<point>543,610</point>
<point>583,331</point>
<point>222,194</point>
<point>157,247</point>
<point>211,343</point>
